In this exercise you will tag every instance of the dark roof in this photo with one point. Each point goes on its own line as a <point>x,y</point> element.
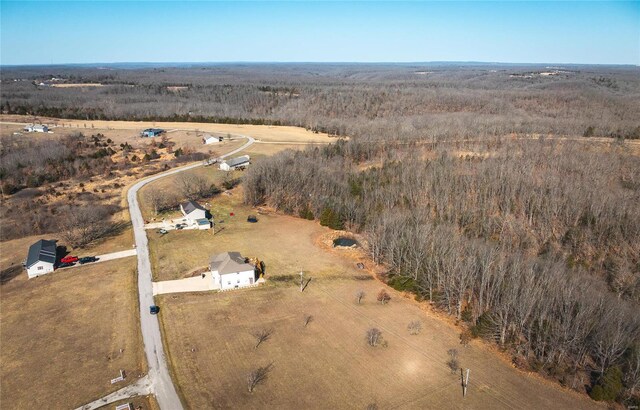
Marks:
<point>154,130</point>
<point>41,251</point>
<point>191,206</point>
<point>237,161</point>
<point>229,262</point>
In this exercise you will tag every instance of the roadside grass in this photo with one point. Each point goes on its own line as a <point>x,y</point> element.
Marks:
<point>62,335</point>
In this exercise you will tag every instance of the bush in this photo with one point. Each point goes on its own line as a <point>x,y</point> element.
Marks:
<point>609,386</point>
<point>331,219</point>
<point>403,283</point>
<point>306,213</point>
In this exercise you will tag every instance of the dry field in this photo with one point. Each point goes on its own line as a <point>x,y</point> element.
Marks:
<point>328,363</point>
<point>286,244</point>
<point>62,335</point>
<point>140,402</point>
<point>260,132</point>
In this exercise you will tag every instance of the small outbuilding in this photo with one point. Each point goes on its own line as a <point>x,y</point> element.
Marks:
<point>235,163</point>
<point>230,270</point>
<point>41,258</point>
<point>210,139</point>
<point>36,128</point>
<point>193,210</point>
<point>152,132</point>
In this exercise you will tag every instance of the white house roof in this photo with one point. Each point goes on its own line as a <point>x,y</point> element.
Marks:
<point>238,161</point>
<point>41,251</point>
<point>229,262</point>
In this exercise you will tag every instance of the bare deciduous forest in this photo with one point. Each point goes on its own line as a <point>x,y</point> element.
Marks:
<point>484,189</point>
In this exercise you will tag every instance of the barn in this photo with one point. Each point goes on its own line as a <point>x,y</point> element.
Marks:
<point>235,163</point>
<point>230,270</point>
<point>36,128</point>
<point>152,132</point>
<point>210,139</point>
<point>41,258</point>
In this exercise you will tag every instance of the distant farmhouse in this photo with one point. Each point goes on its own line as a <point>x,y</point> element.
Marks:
<point>152,132</point>
<point>41,258</point>
<point>235,163</point>
<point>210,139</point>
<point>196,214</point>
<point>230,270</point>
<point>36,128</point>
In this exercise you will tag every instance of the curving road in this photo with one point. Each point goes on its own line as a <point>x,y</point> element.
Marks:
<point>160,380</point>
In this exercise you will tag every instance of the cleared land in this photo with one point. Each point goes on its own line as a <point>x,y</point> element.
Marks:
<point>67,334</point>
<point>327,364</point>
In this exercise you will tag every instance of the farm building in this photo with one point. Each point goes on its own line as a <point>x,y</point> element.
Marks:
<point>152,132</point>
<point>41,258</point>
<point>210,139</point>
<point>230,270</point>
<point>193,210</point>
<point>235,163</point>
<point>36,128</point>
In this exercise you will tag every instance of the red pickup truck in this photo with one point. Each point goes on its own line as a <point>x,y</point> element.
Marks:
<point>69,259</point>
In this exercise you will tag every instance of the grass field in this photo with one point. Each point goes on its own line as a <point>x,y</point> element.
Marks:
<point>328,363</point>
<point>62,335</point>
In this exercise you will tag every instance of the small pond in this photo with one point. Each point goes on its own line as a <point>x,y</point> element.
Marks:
<point>345,242</point>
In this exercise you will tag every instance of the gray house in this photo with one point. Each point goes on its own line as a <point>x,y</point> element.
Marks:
<point>41,258</point>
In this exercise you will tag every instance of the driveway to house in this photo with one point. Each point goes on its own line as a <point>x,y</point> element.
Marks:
<point>161,383</point>
<point>106,257</point>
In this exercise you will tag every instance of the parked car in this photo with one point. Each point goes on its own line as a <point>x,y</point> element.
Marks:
<point>153,309</point>
<point>69,259</point>
<point>180,226</point>
<point>65,264</point>
<point>252,219</point>
<point>87,259</point>
<point>163,231</point>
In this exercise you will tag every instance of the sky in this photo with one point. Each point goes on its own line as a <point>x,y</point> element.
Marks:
<point>62,32</point>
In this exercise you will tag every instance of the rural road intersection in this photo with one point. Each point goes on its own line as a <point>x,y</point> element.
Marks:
<point>160,380</point>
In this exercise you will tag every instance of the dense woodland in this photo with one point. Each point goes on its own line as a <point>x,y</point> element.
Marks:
<point>455,175</point>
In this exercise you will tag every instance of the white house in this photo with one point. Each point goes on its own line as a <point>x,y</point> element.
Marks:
<point>235,163</point>
<point>41,258</point>
<point>230,270</point>
<point>210,139</point>
<point>193,210</point>
<point>36,128</point>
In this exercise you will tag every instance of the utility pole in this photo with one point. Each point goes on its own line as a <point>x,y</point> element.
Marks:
<point>465,382</point>
<point>301,281</point>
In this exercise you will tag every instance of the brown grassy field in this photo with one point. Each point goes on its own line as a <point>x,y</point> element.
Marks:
<point>328,363</point>
<point>62,335</point>
<point>140,402</point>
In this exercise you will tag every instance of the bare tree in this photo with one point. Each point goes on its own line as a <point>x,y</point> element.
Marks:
<point>307,319</point>
<point>258,376</point>
<point>374,337</point>
<point>414,327</point>
<point>453,362</point>
<point>359,296</point>
<point>158,199</point>
<point>262,335</point>
<point>383,297</point>
<point>192,186</point>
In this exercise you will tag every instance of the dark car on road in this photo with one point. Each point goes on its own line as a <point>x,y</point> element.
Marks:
<point>252,219</point>
<point>65,264</point>
<point>153,309</point>
<point>87,259</point>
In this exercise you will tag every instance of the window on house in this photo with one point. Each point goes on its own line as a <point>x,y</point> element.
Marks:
<point>40,267</point>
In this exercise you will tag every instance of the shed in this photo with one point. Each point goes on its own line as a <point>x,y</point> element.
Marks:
<point>210,139</point>
<point>41,258</point>
<point>36,128</point>
<point>235,163</point>
<point>152,132</point>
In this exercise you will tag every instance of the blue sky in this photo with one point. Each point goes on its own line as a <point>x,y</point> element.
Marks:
<point>518,32</point>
